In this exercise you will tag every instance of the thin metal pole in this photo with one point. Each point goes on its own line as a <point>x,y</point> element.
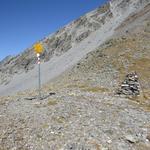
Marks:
<point>39,75</point>
<point>39,81</point>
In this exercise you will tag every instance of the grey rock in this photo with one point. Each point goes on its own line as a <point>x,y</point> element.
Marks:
<point>131,138</point>
<point>30,98</point>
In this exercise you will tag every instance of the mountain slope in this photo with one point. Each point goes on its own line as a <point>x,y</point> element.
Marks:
<point>67,46</point>
<point>106,67</point>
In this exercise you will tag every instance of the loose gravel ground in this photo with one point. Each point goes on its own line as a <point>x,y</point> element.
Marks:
<point>73,120</point>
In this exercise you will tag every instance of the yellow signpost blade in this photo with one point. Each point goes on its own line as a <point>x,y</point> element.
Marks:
<point>38,48</point>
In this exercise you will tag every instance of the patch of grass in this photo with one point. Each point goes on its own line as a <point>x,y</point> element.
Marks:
<point>142,66</point>
<point>59,119</point>
<point>76,86</point>
<point>148,24</point>
<point>146,108</point>
<point>103,9</point>
<point>95,89</point>
<point>146,94</point>
<point>142,146</point>
<point>39,136</point>
<point>52,102</point>
<point>138,99</point>
<point>140,102</point>
<point>122,124</point>
<point>45,126</point>
<point>2,102</point>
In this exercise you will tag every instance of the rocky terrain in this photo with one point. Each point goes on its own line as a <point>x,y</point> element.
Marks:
<point>67,46</point>
<point>75,119</point>
<point>81,108</point>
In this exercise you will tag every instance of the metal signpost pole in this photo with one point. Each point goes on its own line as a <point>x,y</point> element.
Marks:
<point>39,63</point>
<point>38,47</point>
<point>39,82</point>
<point>39,75</point>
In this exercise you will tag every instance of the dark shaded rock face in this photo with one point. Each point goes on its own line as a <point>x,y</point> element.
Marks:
<point>82,36</point>
<point>130,86</point>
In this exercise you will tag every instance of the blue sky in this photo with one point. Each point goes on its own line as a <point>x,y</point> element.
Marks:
<point>23,22</point>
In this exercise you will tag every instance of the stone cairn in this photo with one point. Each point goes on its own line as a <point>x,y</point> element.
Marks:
<point>130,86</point>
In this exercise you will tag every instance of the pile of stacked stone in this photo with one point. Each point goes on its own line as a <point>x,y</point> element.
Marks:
<point>130,86</point>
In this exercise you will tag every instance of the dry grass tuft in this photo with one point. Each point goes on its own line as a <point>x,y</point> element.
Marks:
<point>52,102</point>
<point>95,89</point>
<point>59,119</point>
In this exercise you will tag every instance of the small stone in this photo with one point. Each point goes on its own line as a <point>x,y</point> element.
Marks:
<point>30,98</point>
<point>52,93</point>
<point>109,141</point>
<point>147,140</point>
<point>37,103</point>
<point>131,139</point>
<point>148,137</point>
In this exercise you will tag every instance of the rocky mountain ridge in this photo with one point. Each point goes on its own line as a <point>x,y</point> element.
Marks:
<point>102,21</point>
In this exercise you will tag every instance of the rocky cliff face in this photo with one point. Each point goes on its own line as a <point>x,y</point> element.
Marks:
<point>107,17</point>
<point>59,42</point>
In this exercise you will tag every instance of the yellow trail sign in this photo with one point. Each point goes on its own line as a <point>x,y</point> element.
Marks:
<point>38,48</point>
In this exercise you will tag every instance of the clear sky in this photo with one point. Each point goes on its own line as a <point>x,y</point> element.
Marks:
<point>23,22</point>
